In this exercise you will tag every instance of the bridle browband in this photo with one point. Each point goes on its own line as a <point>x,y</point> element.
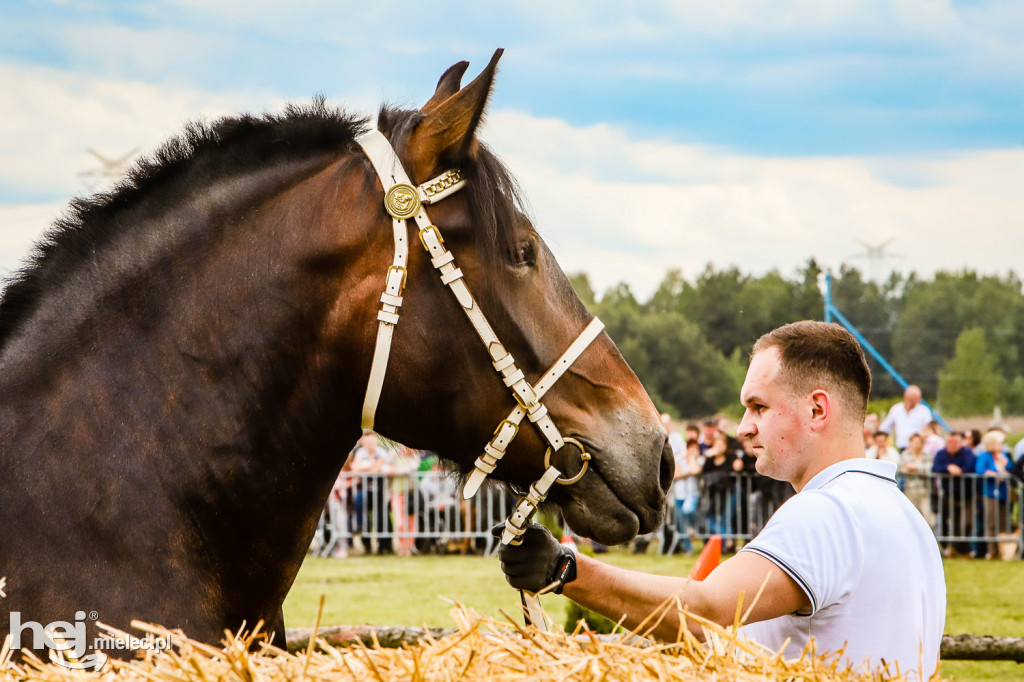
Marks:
<point>403,200</point>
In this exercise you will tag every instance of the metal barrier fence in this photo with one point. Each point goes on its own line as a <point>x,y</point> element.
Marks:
<point>419,512</point>
<point>423,512</point>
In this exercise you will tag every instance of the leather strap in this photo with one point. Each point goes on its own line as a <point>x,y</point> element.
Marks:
<point>402,200</point>
<point>390,171</point>
<point>507,430</point>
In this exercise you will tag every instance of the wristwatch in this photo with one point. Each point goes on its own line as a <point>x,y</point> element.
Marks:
<point>565,570</point>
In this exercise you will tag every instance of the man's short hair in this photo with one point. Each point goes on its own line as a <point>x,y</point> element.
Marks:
<point>822,355</point>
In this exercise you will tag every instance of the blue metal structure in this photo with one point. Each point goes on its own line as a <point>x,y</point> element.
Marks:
<point>832,312</point>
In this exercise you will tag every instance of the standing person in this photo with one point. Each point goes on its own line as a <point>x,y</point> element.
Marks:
<point>993,463</point>
<point>708,431</point>
<point>747,490</point>
<point>957,501</point>
<point>404,463</point>
<point>678,445</point>
<point>691,432</point>
<point>336,532</point>
<point>675,440</point>
<point>882,449</point>
<point>371,498</point>
<point>716,474</point>
<point>915,467</point>
<point>840,558</point>
<point>871,424</point>
<point>933,442</point>
<point>907,417</point>
<point>686,492</point>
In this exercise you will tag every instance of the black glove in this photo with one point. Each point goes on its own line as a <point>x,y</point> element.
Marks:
<point>536,563</point>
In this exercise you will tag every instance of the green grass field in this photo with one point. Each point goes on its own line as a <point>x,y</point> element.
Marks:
<point>984,596</point>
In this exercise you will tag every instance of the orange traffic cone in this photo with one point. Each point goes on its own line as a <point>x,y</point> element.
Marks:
<point>569,542</point>
<point>709,558</point>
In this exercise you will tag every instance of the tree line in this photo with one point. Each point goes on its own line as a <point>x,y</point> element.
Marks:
<point>957,335</point>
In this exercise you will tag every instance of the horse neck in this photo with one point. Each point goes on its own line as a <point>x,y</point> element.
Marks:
<point>201,367</point>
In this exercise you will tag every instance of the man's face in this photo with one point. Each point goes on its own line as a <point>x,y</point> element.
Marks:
<point>911,397</point>
<point>772,420</point>
<point>954,442</point>
<point>882,441</point>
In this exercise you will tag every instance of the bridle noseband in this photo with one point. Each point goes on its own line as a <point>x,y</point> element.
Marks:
<point>403,200</point>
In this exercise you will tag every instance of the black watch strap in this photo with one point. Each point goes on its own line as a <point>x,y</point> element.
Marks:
<point>565,570</point>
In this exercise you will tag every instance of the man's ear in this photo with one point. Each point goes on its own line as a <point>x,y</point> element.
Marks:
<point>451,117</point>
<point>820,405</point>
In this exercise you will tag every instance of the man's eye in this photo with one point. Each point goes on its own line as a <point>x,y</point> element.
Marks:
<point>523,255</point>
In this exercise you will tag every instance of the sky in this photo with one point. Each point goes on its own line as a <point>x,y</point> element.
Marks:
<point>646,137</point>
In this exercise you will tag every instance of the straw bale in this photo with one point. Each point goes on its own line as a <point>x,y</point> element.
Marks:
<point>480,648</point>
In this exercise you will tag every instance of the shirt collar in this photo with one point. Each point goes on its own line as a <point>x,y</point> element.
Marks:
<point>874,467</point>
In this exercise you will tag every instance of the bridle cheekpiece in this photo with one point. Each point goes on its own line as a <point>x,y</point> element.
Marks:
<point>403,201</point>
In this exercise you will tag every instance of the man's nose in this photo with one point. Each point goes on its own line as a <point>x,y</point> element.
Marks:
<point>746,427</point>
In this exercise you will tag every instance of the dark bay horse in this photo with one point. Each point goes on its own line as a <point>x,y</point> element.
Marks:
<point>183,362</point>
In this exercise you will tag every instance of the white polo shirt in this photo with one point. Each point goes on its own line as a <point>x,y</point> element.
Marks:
<point>870,566</point>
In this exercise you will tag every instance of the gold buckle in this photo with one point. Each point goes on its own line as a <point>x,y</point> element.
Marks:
<point>585,457</point>
<point>405,277</point>
<point>515,428</point>
<point>430,228</point>
<point>525,406</point>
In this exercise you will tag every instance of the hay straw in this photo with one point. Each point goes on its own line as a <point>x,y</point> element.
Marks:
<point>480,649</point>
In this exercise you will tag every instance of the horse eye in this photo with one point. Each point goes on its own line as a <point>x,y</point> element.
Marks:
<point>523,255</point>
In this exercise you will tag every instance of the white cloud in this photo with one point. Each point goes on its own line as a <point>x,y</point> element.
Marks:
<point>49,118</point>
<point>619,207</point>
<point>685,206</point>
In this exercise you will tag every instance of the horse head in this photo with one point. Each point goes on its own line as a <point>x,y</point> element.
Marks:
<point>442,391</point>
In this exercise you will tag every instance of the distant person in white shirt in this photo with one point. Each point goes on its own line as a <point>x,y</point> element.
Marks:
<point>847,561</point>
<point>908,417</point>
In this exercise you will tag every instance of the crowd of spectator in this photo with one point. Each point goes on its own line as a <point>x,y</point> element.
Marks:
<point>716,490</point>
<point>391,499</point>
<point>961,482</point>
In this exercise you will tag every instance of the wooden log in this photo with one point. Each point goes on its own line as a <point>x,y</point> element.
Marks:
<point>389,636</point>
<point>982,648</point>
<point>954,647</point>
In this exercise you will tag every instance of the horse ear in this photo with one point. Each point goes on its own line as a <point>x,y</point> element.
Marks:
<point>451,118</point>
<point>448,84</point>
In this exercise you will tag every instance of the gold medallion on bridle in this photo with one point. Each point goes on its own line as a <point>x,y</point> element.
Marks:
<point>402,201</point>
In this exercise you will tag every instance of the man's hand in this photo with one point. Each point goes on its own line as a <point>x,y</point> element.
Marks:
<point>536,563</point>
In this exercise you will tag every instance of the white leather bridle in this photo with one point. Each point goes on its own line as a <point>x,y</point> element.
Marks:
<point>403,200</point>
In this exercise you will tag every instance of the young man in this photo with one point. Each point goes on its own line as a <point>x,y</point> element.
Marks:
<point>847,561</point>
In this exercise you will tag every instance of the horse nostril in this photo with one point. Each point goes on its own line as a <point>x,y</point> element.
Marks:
<point>668,466</point>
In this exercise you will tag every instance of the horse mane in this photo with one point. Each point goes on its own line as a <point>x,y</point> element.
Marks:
<point>201,153</point>
<point>204,153</point>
